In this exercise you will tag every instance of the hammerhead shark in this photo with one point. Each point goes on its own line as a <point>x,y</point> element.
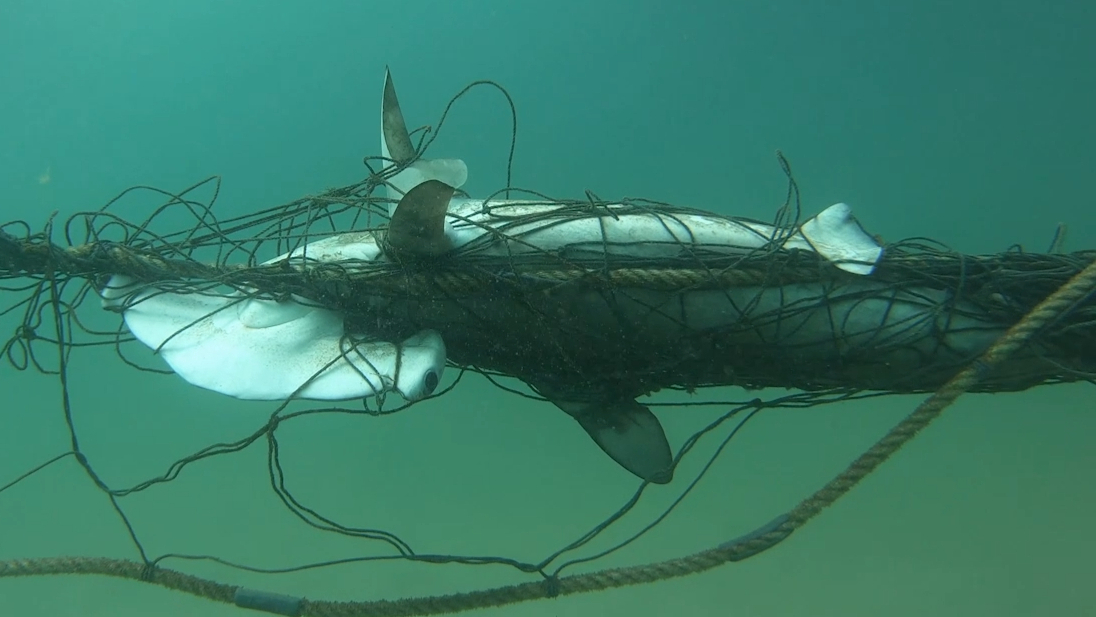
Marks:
<point>589,348</point>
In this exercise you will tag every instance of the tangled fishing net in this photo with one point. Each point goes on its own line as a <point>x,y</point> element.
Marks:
<point>589,306</point>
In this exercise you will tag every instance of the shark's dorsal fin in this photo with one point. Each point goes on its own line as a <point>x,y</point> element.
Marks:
<point>629,433</point>
<point>417,226</point>
<point>396,145</point>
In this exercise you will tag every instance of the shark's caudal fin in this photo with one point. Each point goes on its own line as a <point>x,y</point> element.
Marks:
<point>396,145</point>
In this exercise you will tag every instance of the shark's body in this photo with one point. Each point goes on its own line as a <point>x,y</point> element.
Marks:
<point>589,347</point>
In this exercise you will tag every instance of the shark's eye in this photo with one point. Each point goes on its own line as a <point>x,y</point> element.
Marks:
<point>429,382</point>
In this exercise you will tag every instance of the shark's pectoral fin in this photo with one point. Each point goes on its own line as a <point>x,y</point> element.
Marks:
<point>629,433</point>
<point>417,226</point>
<point>396,145</point>
<point>394,136</point>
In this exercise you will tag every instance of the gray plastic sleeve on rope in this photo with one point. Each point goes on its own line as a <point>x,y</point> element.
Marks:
<point>275,603</point>
<point>757,533</point>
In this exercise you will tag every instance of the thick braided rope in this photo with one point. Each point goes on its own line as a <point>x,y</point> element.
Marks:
<point>33,258</point>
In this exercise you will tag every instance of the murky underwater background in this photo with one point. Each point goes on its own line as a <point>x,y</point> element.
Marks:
<point>970,123</point>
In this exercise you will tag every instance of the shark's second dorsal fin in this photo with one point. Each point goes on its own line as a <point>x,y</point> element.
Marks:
<point>417,226</point>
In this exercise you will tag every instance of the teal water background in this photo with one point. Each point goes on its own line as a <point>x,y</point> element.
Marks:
<point>967,122</point>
